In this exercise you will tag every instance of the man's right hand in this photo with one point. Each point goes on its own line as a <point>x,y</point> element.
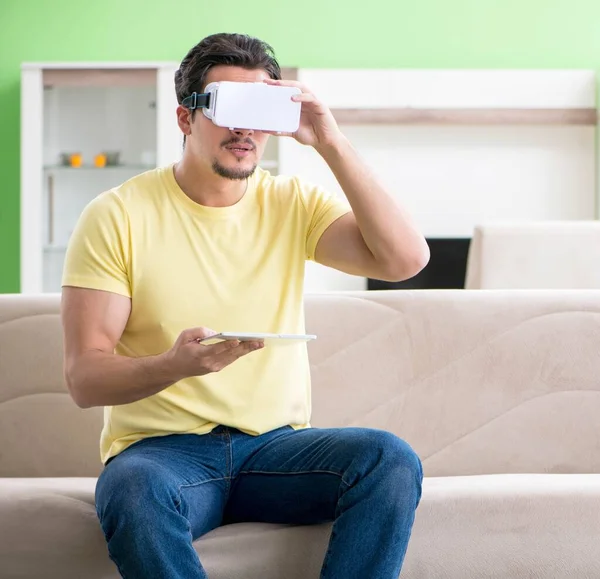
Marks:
<point>93,322</point>
<point>188,357</point>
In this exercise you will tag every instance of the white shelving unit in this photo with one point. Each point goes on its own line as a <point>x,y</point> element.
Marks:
<point>89,109</point>
<point>85,109</point>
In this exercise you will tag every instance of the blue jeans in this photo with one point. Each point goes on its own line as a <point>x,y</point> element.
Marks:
<point>161,493</point>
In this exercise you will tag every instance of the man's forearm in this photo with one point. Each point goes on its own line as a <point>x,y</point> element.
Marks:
<point>103,379</point>
<point>387,229</point>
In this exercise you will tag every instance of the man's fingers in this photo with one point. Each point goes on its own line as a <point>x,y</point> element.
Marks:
<point>245,348</point>
<point>234,346</point>
<point>305,97</point>
<point>251,346</point>
<point>228,356</point>
<point>200,333</point>
<point>293,83</point>
<point>220,347</point>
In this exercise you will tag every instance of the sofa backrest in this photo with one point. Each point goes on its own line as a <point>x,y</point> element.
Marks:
<point>476,381</point>
<point>42,431</point>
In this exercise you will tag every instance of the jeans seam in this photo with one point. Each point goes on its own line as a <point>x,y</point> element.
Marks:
<point>229,462</point>
<point>318,471</point>
<point>196,484</point>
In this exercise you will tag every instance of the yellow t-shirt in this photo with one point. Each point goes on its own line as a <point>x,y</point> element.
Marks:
<point>237,268</point>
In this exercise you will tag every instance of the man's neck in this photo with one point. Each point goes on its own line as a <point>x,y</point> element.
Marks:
<point>202,185</point>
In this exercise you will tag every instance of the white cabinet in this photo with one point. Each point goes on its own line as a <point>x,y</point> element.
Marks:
<point>71,115</point>
<point>85,127</point>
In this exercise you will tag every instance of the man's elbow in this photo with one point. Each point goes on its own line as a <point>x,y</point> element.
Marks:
<point>421,258</point>
<point>76,392</point>
<point>407,266</point>
<point>78,397</point>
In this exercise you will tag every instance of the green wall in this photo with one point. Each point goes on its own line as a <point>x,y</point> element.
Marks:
<point>310,33</point>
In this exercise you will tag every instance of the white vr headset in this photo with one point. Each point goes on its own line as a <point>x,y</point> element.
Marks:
<point>248,105</point>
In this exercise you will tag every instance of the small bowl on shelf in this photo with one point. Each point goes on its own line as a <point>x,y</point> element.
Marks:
<point>71,159</point>
<point>112,158</point>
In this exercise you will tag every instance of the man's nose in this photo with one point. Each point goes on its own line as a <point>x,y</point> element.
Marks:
<point>243,133</point>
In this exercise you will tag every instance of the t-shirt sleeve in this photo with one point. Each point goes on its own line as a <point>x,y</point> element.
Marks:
<point>98,251</point>
<point>322,209</point>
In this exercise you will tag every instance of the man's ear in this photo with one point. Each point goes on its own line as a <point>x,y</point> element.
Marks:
<point>184,120</point>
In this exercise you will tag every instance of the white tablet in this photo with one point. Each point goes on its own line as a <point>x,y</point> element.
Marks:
<point>268,339</point>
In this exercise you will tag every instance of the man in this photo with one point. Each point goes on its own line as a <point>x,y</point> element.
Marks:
<point>197,436</point>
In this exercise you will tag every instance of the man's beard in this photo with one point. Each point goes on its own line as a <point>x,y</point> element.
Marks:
<point>233,174</point>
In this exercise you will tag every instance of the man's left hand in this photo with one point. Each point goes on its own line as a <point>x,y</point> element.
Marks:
<point>318,128</point>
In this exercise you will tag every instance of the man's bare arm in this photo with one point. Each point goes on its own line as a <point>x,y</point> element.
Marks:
<point>93,322</point>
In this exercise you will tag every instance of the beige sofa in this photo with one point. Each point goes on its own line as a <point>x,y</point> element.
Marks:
<point>496,390</point>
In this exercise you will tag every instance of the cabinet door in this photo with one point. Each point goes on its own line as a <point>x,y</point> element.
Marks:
<point>31,179</point>
<point>169,136</point>
<point>84,131</point>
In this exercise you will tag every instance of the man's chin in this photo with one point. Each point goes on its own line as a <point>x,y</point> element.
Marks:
<point>235,173</point>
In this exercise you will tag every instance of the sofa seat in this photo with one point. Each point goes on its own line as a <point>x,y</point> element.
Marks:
<point>467,527</point>
<point>479,383</point>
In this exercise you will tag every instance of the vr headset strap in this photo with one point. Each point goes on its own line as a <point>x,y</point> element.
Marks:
<point>197,101</point>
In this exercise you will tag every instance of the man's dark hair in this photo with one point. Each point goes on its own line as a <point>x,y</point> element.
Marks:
<point>223,49</point>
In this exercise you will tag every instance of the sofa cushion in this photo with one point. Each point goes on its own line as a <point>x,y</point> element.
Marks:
<point>467,527</point>
<point>507,526</point>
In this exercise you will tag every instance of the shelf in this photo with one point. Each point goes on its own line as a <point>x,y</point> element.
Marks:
<point>86,77</point>
<point>583,116</point>
<point>94,168</point>
<point>111,74</point>
<point>267,164</point>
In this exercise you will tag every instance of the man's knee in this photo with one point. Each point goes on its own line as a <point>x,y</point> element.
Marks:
<point>133,487</point>
<point>397,452</point>
<point>390,459</point>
